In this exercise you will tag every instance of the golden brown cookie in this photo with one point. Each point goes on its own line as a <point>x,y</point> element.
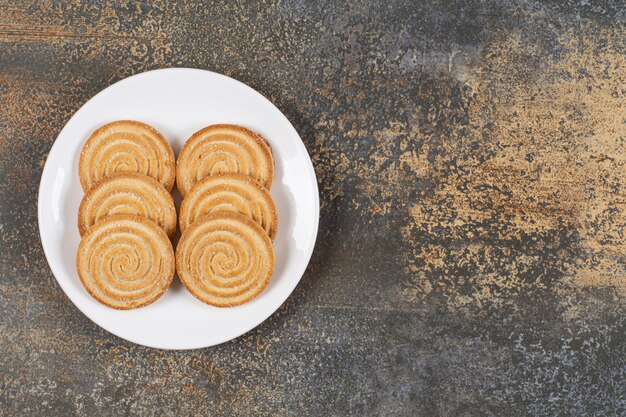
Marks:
<point>126,146</point>
<point>230,192</point>
<point>125,261</point>
<point>128,193</point>
<point>222,149</point>
<point>225,259</point>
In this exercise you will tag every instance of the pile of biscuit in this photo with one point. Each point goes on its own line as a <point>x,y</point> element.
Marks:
<point>127,218</point>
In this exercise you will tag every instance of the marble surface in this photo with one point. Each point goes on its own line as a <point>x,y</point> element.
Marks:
<point>471,162</point>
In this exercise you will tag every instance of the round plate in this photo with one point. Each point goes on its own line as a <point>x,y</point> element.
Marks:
<point>178,102</point>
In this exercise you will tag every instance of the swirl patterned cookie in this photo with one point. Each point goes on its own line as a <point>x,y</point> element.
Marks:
<point>222,149</point>
<point>128,193</point>
<point>225,259</point>
<point>230,192</point>
<point>125,261</point>
<point>126,146</point>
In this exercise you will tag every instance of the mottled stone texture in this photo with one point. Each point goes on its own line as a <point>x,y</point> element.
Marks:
<point>471,158</point>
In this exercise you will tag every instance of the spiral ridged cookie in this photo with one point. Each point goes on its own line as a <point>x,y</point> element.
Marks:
<point>126,146</point>
<point>225,259</point>
<point>125,261</point>
<point>128,193</point>
<point>230,192</point>
<point>222,149</point>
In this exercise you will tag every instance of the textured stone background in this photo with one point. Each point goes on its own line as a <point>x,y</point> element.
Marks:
<point>471,159</point>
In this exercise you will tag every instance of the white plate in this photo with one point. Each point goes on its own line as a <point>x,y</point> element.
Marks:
<point>178,102</point>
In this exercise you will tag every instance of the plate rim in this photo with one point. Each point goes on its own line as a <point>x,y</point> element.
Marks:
<point>309,249</point>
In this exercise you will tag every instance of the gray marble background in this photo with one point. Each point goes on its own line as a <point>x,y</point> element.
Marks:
<point>471,256</point>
